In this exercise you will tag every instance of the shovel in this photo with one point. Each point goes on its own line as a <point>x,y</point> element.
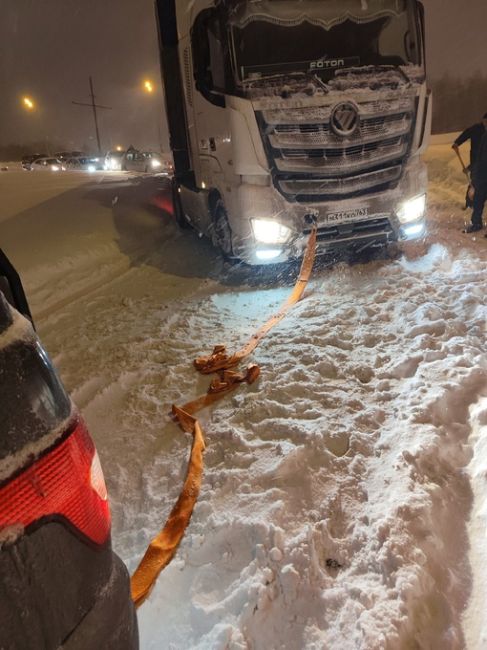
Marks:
<point>471,190</point>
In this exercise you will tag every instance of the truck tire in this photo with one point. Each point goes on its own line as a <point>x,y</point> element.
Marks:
<point>222,233</point>
<point>178,208</point>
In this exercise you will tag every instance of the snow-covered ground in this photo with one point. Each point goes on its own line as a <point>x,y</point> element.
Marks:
<point>343,502</point>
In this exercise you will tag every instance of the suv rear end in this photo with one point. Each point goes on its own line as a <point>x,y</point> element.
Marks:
<point>61,585</point>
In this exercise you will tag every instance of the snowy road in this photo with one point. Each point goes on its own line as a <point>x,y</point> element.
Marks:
<point>336,504</point>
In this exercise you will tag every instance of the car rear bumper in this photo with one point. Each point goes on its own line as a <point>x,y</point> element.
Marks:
<point>112,623</point>
<point>58,591</point>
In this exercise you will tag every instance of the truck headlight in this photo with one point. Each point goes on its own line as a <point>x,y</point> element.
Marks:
<point>155,163</point>
<point>412,210</point>
<point>267,231</point>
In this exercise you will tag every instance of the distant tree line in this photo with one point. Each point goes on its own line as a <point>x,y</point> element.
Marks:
<point>458,103</point>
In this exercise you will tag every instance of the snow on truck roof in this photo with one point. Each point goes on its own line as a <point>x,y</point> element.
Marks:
<point>324,14</point>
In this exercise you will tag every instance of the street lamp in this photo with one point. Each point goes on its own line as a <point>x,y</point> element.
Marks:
<point>28,103</point>
<point>149,89</point>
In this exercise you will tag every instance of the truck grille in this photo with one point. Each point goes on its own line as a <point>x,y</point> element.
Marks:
<point>320,135</point>
<point>310,160</point>
<point>310,188</point>
<point>371,228</point>
<point>338,162</point>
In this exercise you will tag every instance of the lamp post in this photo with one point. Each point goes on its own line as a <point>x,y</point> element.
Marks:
<point>149,88</point>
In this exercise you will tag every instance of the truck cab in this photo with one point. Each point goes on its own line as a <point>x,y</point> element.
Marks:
<point>283,115</point>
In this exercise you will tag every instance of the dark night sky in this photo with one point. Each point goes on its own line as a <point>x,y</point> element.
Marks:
<point>50,47</point>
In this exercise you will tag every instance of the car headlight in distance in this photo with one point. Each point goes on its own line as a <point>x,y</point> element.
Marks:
<point>155,163</point>
<point>91,168</point>
<point>412,210</point>
<point>55,168</point>
<point>268,231</point>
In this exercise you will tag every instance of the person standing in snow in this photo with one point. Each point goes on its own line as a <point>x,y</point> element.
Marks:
<point>479,182</point>
<point>474,133</point>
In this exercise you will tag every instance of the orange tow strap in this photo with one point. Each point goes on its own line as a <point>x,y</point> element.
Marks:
<point>162,548</point>
<point>219,360</point>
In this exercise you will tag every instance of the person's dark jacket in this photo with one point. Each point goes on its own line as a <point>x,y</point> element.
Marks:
<point>479,168</point>
<point>474,134</point>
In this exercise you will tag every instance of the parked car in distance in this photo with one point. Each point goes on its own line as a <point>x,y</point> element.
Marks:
<point>146,161</point>
<point>135,161</point>
<point>47,165</point>
<point>84,163</point>
<point>64,155</point>
<point>28,160</point>
<point>113,161</point>
<point>61,585</point>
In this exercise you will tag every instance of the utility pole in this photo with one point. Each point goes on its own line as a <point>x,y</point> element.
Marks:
<point>94,106</point>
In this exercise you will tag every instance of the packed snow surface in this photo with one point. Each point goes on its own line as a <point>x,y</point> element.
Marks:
<point>343,501</point>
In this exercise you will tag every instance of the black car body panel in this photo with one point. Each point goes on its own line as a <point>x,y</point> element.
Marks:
<point>58,592</point>
<point>58,589</point>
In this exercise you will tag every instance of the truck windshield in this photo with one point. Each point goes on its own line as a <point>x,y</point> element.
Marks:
<point>284,36</point>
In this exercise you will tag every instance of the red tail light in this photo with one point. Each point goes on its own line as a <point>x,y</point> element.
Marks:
<point>66,482</point>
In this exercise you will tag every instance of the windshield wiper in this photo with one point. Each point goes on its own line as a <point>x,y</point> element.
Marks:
<point>270,77</point>
<point>287,79</point>
<point>374,68</point>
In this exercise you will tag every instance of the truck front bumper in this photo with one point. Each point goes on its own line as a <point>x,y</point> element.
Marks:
<point>361,222</point>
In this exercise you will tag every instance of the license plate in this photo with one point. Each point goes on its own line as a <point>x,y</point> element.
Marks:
<point>346,215</point>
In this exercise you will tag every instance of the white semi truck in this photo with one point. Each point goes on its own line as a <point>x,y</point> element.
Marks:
<point>287,113</point>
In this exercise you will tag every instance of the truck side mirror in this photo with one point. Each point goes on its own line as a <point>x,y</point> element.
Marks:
<point>11,287</point>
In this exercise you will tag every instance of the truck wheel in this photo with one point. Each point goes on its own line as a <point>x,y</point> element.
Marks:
<point>222,234</point>
<point>178,208</point>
